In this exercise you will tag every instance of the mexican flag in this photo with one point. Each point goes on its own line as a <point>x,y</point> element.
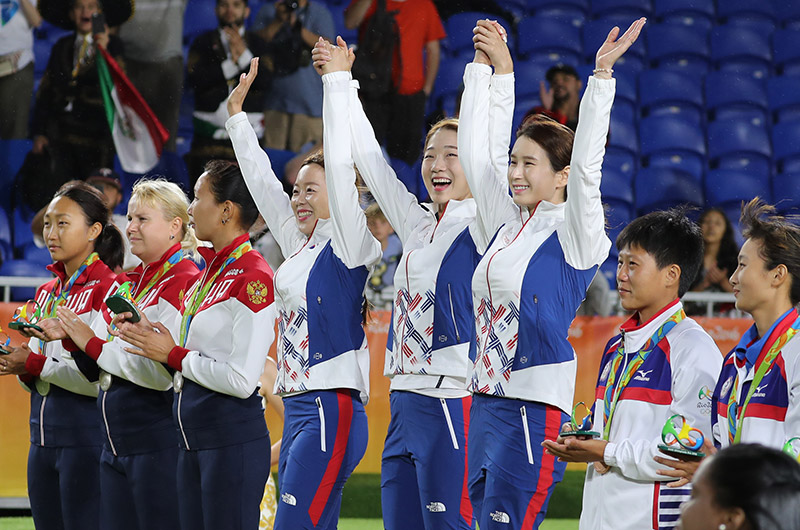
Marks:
<point>138,135</point>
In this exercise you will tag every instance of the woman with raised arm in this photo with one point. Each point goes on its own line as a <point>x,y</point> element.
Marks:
<point>323,360</point>
<point>135,400</point>
<point>544,247</point>
<point>423,467</point>
<point>66,436</point>
<point>224,329</point>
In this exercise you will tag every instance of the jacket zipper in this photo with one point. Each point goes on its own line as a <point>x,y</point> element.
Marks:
<point>41,421</point>
<point>105,422</point>
<point>321,425</point>
<point>527,434</point>
<point>449,423</point>
<point>180,422</point>
<point>453,315</point>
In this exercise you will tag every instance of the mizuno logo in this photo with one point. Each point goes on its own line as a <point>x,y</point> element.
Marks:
<point>642,375</point>
<point>759,390</point>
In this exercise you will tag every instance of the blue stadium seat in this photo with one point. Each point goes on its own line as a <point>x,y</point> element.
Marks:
<point>733,95</point>
<point>278,159</point>
<point>337,14</point>
<point>736,49</point>
<point>631,9</point>
<point>727,188</point>
<point>595,33</point>
<point>449,78</point>
<point>740,144</point>
<point>617,195</point>
<point>786,147</point>
<point>21,267</point>
<point>21,226</point>
<point>573,12</point>
<point>406,175</point>
<point>521,108</point>
<point>12,155</point>
<point>577,6</point>
<point>786,51</point>
<point>786,193</point>
<point>622,138</point>
<point>6,247</point>
<point>658,188</point>
<point>790,15</point>
<point>784,98</point>
<point>528,75</point>
<point>621,164</point>
<point>200,18</point>
<point>752,14</point>
<point>459,31</point>
<point>609,267</point>
<point>697,13</point>
<point>548,40</point>
<point>674,143</point>
<point>667,93</point>
<point>34,254</point>
<point>678,47</point>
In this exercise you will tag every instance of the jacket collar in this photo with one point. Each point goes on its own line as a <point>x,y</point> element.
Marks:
<point>544,209</point>
<point>60,271</point>
<point>214,260</point>
<point>636,334</point>
<point>750,345</point>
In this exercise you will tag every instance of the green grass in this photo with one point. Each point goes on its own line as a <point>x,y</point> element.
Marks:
<point>26,523</point>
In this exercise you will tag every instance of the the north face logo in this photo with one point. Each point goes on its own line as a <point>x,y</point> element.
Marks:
<point>289,499</point>
<point>500,517</point>
<point>436,507</point>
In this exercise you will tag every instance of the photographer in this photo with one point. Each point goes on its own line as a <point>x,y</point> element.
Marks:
<point>293,112</point>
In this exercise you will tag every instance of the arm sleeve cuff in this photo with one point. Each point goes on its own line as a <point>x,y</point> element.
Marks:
<point>69,345</point>
<point>35,364</point>
<point>609,457</point>
<point>175,358</point>
<point>95,347</point>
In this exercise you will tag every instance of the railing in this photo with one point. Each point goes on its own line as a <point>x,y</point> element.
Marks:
<point>7,282</point>
<point>710,299</point>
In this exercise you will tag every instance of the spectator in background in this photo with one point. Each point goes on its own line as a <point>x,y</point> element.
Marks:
<point>16,67</point>
<point>380,292</point>
<point>216,59</point>
<point>69,118</point>
<point>598,301</point>
<point>561,100</point>
<point>153,40</point>
<point>721,252</point>
<point>293,111</point>
<point>398,117</point>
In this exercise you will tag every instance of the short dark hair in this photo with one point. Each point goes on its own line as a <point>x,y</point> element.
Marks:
<point>780,240</point>
<point>227,184</point>
<point>761,481</point>
<point>671,238</point>
<point>560,68</point>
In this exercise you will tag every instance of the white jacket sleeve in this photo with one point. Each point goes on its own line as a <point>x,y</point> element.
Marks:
<point>696,363</point>
<point>583,236</point>
<point>478,154</point>
<point>63,371</point>
<point>265,188</point>
<point>352,241</point>
<point>253,334</point>
<point>135,368</point>
<point>400,207</point>
<point>791,358</point>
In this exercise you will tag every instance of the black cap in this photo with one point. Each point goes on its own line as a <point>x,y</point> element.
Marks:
<point>561,68</point>
<point>105,176</point>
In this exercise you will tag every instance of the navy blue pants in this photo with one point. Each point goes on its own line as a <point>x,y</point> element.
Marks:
<point>324,438</point>
<point>64,487</point>
<point>511,477</point>
<point>222,488</point>
<point>424,464</point>
<point>140,491</point>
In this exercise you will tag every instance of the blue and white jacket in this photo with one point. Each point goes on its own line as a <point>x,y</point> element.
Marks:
<point>430,347</point>
<point>319,289</point>
<point>534,275</point>
<point>676,378</point>
<point>773,415</point>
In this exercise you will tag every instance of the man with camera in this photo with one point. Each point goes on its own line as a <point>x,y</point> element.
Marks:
<point>293,112</point>
<point>216,59</point>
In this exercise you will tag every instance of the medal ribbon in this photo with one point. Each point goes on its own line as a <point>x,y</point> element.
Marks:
<point>736,412</point>
<point>171,262</point>
<point>614,389</point>
<point>60,292</point>
<point>200,294</point>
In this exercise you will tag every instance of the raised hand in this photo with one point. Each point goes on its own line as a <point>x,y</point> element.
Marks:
<point>236,98</point>
<point>490,38</point>
<point>77,329</point>
<point>613,48</point>
<point>329,58</point>
<point>545,95</point>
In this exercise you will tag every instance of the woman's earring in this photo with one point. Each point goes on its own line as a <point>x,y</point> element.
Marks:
<point>224,221</point>
<point>172,236</point>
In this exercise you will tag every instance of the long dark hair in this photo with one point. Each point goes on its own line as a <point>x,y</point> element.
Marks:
<point>780,240</point>
<point>728,254</point>
<point>109,245</point>
<point>227,184</point>
<point>763,482</point>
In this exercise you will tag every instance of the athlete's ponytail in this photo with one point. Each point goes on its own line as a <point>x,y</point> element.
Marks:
<point>109,245</point>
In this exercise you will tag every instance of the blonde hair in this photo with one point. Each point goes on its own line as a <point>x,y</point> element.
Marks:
<point>373,211</point>
<point>171,200</point>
